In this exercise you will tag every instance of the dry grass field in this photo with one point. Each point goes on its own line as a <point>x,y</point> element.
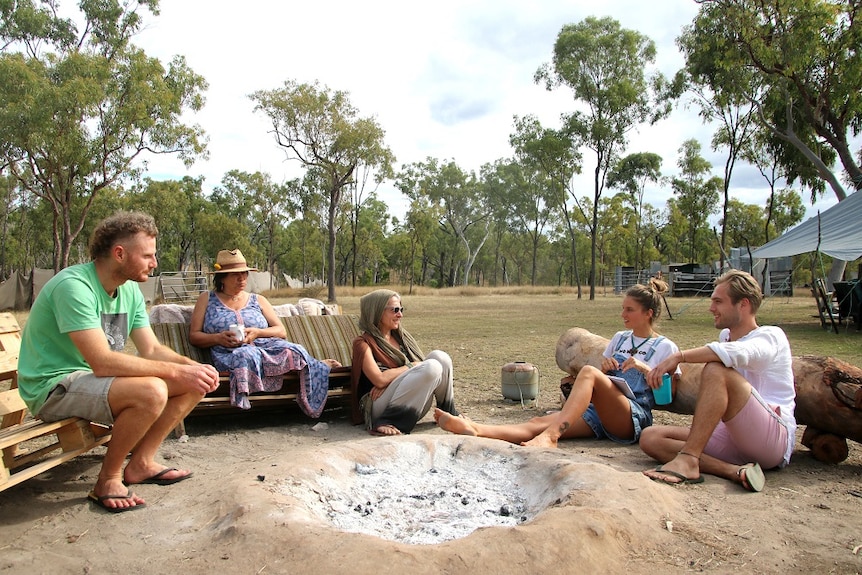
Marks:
<point>485,328</point>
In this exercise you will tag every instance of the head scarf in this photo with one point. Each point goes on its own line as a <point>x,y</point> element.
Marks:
<point>371,308</point>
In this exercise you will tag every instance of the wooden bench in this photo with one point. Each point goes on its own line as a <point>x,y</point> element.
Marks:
<point>324,336</point>
<point>31,446</point>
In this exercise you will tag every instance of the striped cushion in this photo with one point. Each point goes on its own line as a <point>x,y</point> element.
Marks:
<point>176,337</point>
<point>324,336</point>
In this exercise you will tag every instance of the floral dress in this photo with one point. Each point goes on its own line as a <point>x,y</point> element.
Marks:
<point>260,365</point>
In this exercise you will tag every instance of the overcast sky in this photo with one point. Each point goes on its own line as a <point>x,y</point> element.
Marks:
<point>443,79</point>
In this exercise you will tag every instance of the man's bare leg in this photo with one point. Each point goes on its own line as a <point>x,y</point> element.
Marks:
<point>142,464</point>
<point>723,393</point>
<point>137,402</point>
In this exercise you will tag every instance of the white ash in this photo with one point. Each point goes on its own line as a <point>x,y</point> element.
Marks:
<point>423,496</point>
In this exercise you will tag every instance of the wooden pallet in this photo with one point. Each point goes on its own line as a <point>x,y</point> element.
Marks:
<point>30,446</point>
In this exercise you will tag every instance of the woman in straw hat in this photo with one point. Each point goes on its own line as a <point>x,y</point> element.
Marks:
<point>391,377</point>
<point>247,339</point>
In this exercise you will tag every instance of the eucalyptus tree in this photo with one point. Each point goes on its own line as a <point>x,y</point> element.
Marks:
<point>367,181</point>
<point>259,205</point>
<point>805,57</point>
<point>8,188</point>
<point>604,65</point>
<point>555,153</point>
<point>321,129</point>
<point>697,194</point>
<point>526,192</point>
<point>616,233</point>
<point>312,228</point>
<point>785,210</point>
<point>367,251</point>
<point>175,206</point>
<point>672,232</point>
<point>631,174</point>
<point>783,207</point>
<point>421,220</point>
<point>463,206</point>
<point>725,96</point>
<point>745,224</point>
<point>81,104</point>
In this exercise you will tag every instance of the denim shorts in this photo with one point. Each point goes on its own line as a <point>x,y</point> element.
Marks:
<point>79,394</point>
<point>641,419</point>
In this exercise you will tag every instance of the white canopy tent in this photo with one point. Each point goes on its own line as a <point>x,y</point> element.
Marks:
<point>838,231</point>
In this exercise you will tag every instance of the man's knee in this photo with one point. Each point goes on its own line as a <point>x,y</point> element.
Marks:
<point>648,440</point>
<point>715,372</point>
<point>146,393</point>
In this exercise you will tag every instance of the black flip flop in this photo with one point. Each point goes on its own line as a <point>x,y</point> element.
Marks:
<point>157,479</point>
<point>683,480</point>
<point>100,501</point>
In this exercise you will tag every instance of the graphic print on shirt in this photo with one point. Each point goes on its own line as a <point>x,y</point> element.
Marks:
<point>116,326</point>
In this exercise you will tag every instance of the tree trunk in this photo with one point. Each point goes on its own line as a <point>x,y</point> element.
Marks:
<point>828,392</point>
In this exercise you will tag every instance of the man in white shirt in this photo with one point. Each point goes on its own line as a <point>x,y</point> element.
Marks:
<point>743,419</point>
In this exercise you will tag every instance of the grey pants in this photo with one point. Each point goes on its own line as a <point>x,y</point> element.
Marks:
<point>408,398</point>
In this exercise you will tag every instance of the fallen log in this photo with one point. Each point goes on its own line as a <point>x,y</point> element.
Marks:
<point>828,392</point>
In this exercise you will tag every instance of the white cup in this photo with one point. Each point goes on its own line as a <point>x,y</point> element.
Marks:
<point>238,331</point>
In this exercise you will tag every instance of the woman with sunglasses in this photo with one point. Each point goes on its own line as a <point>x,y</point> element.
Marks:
<point>392,381</point>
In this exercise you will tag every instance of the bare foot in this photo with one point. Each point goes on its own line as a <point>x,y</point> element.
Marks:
<point>541,440</point>
<point>386,430</point>
<point>332,363</point>
<point>454,423</point>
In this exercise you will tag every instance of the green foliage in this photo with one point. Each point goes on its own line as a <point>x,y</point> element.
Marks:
<point>323,130</point>
<point>798,61</point>
<point>80,107</point>
<point>605,66</point>
<point>697,197</point>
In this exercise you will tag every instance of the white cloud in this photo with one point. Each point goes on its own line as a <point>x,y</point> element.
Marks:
<point>444,79</point>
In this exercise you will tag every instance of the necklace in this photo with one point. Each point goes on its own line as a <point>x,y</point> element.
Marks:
<point>635,348</point>
<point>233,297</point>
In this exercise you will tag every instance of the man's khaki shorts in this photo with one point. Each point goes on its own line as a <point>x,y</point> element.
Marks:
<point>79,394</point>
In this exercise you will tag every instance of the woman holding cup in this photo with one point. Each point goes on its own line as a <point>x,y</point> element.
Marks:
<point>597,406</point>
<point>247,339</point>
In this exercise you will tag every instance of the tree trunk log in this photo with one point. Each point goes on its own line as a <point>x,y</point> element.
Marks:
<point>828,392</point>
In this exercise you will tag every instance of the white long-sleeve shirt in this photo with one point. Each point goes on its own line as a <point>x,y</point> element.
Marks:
<point>763,358</point>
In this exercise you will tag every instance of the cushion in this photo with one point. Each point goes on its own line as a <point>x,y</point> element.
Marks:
<point>176,337</point>
<point>171,313</point>
<point>324,336</point>
<point>311,306</point>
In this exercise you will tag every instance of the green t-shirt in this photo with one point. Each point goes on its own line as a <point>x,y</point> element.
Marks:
<point>72,300</point>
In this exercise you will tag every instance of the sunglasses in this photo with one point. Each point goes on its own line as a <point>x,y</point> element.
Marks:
<point>396,309</point>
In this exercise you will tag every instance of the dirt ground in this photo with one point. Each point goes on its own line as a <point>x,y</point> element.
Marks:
<point>233,516</point>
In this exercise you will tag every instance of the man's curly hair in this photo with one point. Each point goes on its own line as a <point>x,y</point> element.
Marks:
<point>118,227</point>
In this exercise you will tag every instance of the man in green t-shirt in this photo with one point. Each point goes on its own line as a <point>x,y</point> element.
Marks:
<point>72,361</point>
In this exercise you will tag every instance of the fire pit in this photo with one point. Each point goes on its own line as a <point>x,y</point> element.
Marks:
<point>430,489</point>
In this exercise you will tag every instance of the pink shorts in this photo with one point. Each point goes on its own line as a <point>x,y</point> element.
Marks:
<point>755,434</point>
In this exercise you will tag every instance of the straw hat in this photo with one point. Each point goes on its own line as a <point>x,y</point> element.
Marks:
<point>230,261</point>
